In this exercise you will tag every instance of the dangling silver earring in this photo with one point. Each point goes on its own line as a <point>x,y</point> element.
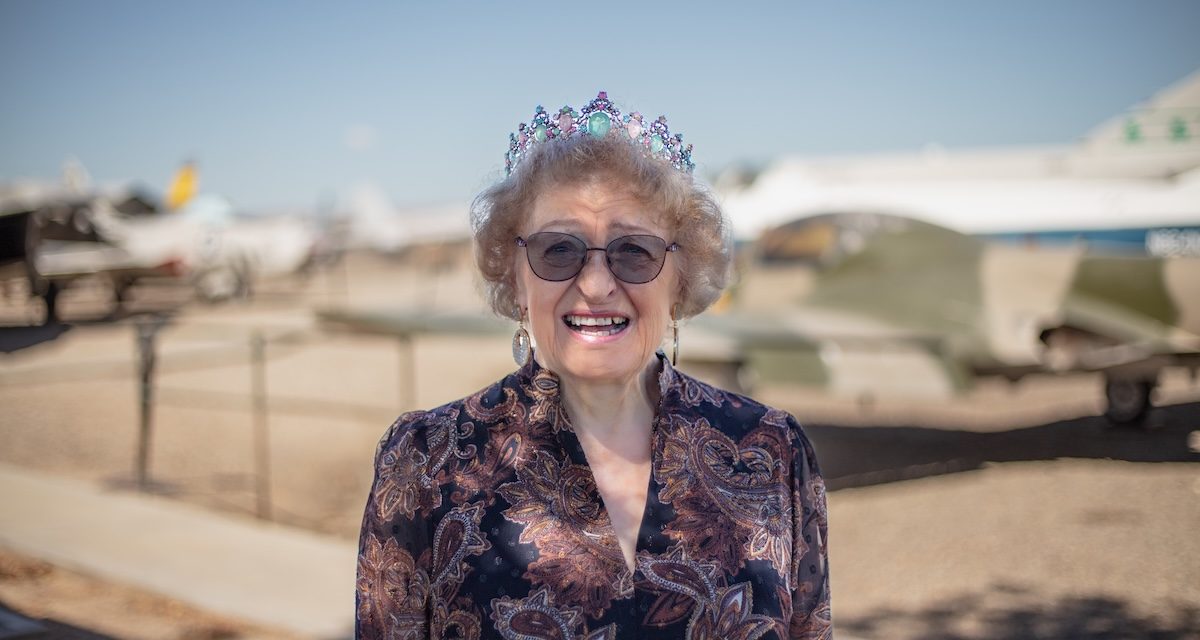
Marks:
<point>674,334</point>
<point>520,344</point>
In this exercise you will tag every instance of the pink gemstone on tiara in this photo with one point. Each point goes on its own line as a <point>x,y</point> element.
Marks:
<point>634,125</point>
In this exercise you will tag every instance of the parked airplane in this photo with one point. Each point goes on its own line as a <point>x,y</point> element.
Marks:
<point>902,307</point>
<point>43,226</point>
<point>375,223</point>
<point>53,235</point>
<point>1132,185</point>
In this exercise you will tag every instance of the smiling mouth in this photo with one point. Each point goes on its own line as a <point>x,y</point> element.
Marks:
<point>596,325</point>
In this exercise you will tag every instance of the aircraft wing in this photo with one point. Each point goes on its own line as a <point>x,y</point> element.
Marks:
<point>844,353</point>
<point>409,322</point>
<point>59,259</point>
<point>1097,335</point>
<point>1126,315</point>
<point>809,326</point>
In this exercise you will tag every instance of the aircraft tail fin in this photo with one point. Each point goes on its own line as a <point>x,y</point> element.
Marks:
<point>1169,119</point>
<point>183,186</point>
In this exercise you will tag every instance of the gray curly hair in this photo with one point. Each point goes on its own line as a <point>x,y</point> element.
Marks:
<point>687,208</point>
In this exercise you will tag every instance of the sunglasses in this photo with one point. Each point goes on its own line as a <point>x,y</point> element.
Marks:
<point>634,259</point>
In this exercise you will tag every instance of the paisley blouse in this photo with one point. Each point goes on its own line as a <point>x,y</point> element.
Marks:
<point>484,521</point>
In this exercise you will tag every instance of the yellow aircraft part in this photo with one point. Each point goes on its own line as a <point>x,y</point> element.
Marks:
<point>183,187</point>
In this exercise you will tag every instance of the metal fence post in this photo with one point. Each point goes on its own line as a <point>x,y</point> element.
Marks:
<point>147,356</point>
<point>407,372</point>
<point>262,455</point>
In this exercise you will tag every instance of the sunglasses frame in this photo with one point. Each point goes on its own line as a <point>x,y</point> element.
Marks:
<point>671,247</point>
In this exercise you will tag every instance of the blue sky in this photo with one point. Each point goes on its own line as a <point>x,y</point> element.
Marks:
<point>288,103</point>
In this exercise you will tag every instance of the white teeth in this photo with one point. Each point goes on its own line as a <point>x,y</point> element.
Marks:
<point>595,321</point>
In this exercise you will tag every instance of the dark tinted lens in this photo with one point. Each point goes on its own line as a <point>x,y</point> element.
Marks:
<point>555,256</point>
<point>636,259</point>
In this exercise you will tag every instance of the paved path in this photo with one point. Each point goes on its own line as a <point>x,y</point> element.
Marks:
<point>265,573</point>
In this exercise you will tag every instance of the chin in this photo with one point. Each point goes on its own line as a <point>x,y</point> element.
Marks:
<point>602,365</point>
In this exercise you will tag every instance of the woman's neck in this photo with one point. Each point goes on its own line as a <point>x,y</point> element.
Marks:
<point>610,411</point>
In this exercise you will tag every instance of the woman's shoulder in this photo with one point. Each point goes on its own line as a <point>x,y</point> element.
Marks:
<point>735,414</point>
<point>691,394</point>
<point>416,428</point>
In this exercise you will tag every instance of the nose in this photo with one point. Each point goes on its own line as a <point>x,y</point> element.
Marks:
<point>596,281</point>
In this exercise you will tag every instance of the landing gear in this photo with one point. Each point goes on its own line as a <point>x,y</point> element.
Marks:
<point>223,283</point>
<point>39,285</point>
<point>1128,399</point>
<point>50,297</point>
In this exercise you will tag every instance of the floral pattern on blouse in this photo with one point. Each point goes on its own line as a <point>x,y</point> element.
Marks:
<point>484,521</point>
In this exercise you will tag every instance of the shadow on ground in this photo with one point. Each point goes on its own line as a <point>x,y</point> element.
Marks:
<point>16,335</point>
<point>15,625</point>
<point>14,339</point>
<point>1007,612</point>
<point>861,456</point>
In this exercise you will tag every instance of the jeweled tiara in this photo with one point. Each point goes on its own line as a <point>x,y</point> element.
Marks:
<point>599,118</point>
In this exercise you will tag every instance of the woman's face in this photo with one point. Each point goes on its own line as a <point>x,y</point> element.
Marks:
<point>563,315</point>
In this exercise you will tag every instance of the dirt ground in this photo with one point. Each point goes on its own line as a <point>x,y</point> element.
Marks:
<point>1011,513</point>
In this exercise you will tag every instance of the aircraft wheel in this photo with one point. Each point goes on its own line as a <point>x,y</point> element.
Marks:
<point>220,284</point>
<point>1128,400</point>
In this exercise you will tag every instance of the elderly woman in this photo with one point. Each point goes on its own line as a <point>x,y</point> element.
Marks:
<point>596,492</point>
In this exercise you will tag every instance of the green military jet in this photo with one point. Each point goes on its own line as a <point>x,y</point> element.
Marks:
<point>876,305</point>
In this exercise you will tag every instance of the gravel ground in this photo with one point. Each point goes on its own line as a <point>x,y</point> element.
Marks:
<point>1063,549</point>
<point>948,522</point>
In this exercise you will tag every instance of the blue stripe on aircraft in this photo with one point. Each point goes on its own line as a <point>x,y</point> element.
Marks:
<point>1156,241</point>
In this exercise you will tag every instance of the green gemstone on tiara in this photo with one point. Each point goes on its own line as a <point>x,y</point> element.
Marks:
<point>596,119</point>
<point>598,124</point>
<point>656,143</point>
